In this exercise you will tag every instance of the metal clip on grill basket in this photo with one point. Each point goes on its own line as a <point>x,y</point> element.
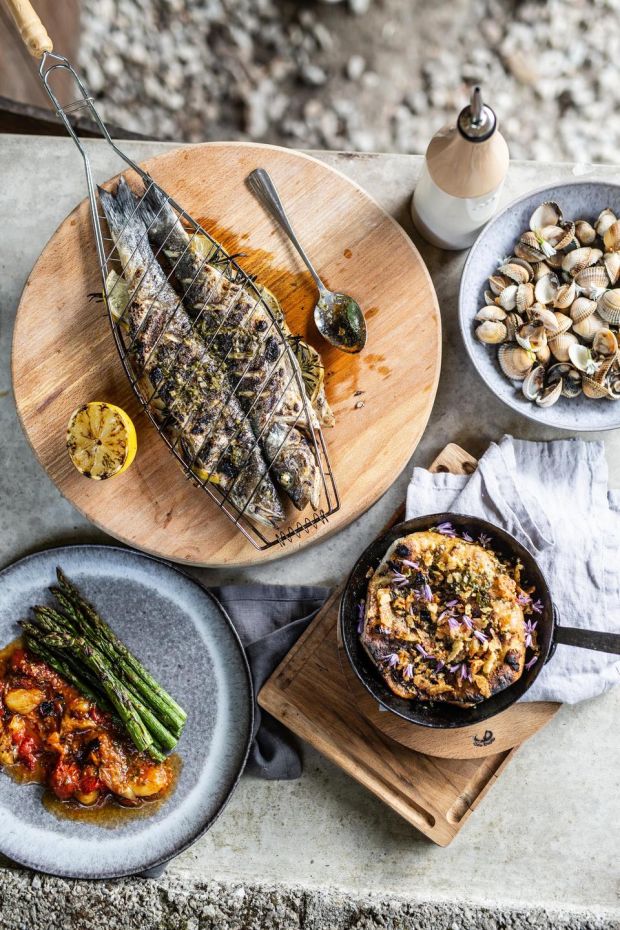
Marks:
<point>40,45</point>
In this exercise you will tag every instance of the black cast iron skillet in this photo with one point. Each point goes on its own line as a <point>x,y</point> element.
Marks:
<point>447,716</point>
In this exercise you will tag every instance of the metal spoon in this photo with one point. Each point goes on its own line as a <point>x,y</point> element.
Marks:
<point>338,317</point>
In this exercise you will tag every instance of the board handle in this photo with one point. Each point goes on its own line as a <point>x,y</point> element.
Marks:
<point>31,29</point>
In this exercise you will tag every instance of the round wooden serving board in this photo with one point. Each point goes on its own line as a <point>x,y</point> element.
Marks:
<point>64,353</point>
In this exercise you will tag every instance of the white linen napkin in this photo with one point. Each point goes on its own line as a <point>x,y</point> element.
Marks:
<point>553,498</point>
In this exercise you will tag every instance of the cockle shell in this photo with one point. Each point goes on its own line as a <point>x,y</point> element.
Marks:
<point>541,269</point>
<point>534,382</point>
<point>609,307</point>
<point>605,344</point>
<point>589,327</point>
<point>575,261</point>
<point>512,322</point>
<point>563,322</point>
<point>489,298</point>
<point>558,236</point>
<point>546,289</point>
<point>612,237</point>
<point>592,281</point>
<point>571,383</point>
<point>582,360</point>
<point>497,283</point>
<point>611,260</point>
<point>547,214</point>
<point>508,297</point>
<point>524,297</point>
<point>545,316</point>
<point>550,394</point>
<point>514,361</point>
<point>492,332</point>
<point>560,344</point>
<point>531,337</point>
<point>491,312</point>
<point>528,247</point>
<point>586,234</point>
<point>565,296</point>
<point>543,354</point>
<point>593,389</point>
<point>605,218</point>
<point>517,270</point>
<point>581,308</point>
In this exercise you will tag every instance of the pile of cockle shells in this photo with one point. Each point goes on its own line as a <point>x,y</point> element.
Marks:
<point>553,308</point>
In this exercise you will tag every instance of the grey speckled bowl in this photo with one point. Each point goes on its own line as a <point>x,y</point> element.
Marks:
<point>184,637</point>
<point>578,200</point>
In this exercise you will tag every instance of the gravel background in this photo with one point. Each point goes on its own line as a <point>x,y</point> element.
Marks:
<point>367,75</point>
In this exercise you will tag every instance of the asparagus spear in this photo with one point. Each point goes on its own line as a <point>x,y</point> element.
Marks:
<point>97,623</point>
<point>35,645</point>
<point>154,702</point>
<point>115,691</point>
<point>52,622</point>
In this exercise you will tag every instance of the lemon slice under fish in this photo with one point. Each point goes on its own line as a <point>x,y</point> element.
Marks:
<point>101,440</point>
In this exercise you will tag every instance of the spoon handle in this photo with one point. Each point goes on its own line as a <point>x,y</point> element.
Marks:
<point>261,184</point>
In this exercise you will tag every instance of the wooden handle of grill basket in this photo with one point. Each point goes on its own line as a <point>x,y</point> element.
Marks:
<point>31,29</point>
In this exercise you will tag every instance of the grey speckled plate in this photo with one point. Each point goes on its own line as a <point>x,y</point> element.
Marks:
<point>578,200</point>
<point>188,642</point>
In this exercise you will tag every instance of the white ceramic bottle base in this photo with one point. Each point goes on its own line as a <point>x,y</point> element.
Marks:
<point>450,222</point>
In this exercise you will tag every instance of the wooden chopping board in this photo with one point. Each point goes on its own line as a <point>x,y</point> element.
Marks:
<point>64,353</point>
<point>432,778</point>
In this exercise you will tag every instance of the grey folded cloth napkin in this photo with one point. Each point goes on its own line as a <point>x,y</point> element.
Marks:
<point>269,620</point>
<point>553,497</point>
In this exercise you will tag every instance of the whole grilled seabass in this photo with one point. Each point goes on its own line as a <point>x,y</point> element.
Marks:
<point>186,382</point>
<point>240,332</point>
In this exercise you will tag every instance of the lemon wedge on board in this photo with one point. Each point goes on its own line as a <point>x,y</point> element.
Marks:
<point>101,440</point>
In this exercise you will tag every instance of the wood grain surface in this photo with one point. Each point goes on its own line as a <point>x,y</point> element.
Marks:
<point>64,354</point>
<point>434,785</point>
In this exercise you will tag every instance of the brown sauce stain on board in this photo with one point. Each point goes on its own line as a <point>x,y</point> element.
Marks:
<point>372,311</point>
<point>347,253</point>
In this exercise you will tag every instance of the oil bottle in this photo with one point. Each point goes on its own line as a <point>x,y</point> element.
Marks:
<point>462,178</point>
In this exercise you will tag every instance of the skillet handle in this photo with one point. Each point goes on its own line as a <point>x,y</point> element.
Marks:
<point>588,639</point>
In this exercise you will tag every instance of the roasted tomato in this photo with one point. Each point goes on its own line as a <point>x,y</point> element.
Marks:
<point>65,779</point>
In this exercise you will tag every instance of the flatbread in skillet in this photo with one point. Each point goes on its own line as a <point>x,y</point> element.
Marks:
<point>444,620</point>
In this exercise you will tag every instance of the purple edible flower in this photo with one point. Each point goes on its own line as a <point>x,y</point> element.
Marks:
<point>538,606</point>
<point>452,603</point>
<point>361,611</point>
<point>467,621</point>
<point>523,599</point>
<point>484,540</point>
<point>461,670</point>
<point>529,631</point>
<point>423,651</point>
<point>532,661</point>
<point>408,671</point>
<point>391,659</point>
<point>439,665</point>
<point>467,537</point>
<point>446,529</point>
<point>400,580</point>
<point>427,593</point>
<point>480,636</point>
<point>453,623</point>
<point>411,564</point>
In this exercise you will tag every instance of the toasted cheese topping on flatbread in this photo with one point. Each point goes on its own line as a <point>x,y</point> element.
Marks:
<point>447,620</point>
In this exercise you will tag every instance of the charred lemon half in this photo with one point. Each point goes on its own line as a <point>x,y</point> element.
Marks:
<point>101,440</point>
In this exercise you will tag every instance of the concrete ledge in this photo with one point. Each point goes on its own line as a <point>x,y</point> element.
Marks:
<point>35,902</point>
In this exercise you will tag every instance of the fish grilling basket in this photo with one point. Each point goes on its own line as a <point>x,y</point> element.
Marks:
<point>237,399</point>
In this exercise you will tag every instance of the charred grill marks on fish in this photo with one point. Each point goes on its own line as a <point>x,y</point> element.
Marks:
<point>239,330</point>
<point>186,382</point>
